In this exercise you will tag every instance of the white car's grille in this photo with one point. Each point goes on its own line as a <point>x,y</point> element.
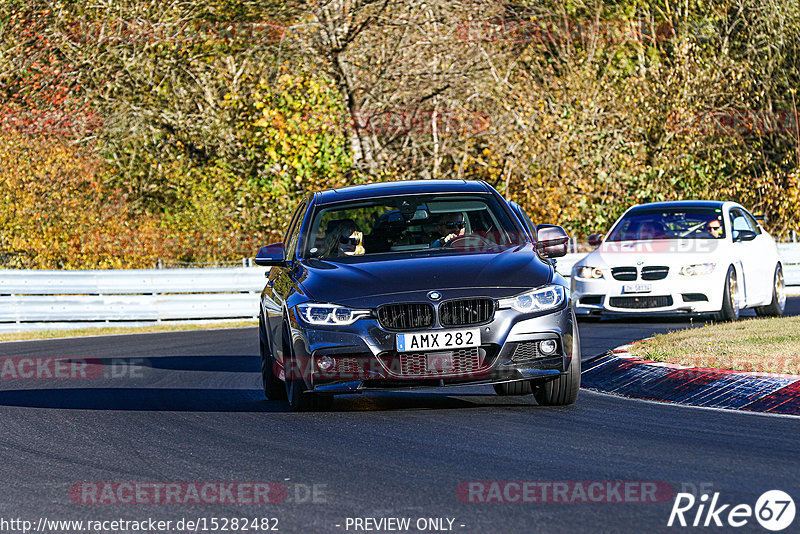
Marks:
<point>629,274</point>
<point>639,303</point>
<point>654,273</point>
<point>626,274</point>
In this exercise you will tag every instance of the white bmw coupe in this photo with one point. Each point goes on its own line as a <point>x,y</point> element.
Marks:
<point>684,257</point>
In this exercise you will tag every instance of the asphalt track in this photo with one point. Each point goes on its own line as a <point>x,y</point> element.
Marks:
<point>187,407</point>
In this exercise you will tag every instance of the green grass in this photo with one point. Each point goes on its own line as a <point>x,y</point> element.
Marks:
<point>81,332</point>
<point>770,345</point>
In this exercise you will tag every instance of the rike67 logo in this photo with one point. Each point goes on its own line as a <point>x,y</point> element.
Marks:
<point>774,510</point>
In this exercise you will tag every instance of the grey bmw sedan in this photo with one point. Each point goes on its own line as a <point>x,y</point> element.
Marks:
<point>415,284</point>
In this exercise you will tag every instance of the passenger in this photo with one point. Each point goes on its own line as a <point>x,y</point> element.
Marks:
<point>714,227</point>
<point>343,238</point>
<point>451,225</point>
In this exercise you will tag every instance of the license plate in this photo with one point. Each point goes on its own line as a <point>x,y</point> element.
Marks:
<point>439,340</point>
<point>637,288</point>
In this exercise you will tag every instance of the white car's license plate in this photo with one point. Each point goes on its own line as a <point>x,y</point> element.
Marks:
<point>439,340</point>
<point>637,288</point>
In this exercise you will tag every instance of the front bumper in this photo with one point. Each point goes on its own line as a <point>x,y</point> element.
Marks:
<point>672,295</point>
<point>366,356</point>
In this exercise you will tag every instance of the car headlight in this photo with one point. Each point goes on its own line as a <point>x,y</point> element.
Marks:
<point>546,298</point>
<point>697,269</point>
<point>589,272</point>
<point>330,314</point>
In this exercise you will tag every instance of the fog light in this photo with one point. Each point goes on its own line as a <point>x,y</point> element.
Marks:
<point>548,346</point>
<point>326,363</point>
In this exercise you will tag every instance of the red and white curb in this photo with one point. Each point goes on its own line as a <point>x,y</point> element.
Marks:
<point>622,373</point>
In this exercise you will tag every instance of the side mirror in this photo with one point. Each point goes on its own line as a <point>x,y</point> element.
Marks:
<point>274,254</point>
<point>596,239</point>
<point>551,241</point>
<point>744,235</point>
<point>761,218</point>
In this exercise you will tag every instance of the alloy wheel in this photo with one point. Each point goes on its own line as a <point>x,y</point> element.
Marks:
<point>733,289</point>
<point>780,289</point>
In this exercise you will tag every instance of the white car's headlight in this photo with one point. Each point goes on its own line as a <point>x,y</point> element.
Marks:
<point>589,272</point>
<point>545,298</point>
<point>330,314</point>
<point>697,269</point>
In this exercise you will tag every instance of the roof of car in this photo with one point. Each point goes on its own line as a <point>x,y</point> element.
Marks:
<point>409,187</point>
<point>687,204</point>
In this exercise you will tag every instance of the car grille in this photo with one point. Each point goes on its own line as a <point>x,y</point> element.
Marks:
<point>624,273</point>
<point>352,367</point>
<point>405,316</point>
<point>463,361</point>
<point>527,350</point>
<point>466,312</point>
<point>654,273</point>
<point>348,366</point>
<point>640,302</point>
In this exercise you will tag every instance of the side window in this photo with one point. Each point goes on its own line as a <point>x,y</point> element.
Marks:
<point>529,222</point>
<point>293,232</point>
<point>739,222</point>
<point>292,222</point>
<point>752,222</point>
<point>524,219</point>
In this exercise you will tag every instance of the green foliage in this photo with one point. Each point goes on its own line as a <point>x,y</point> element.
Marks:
<point>298,138</point>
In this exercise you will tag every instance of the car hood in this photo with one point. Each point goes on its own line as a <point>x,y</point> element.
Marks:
<point>506,273</point>
<point>672,253</point>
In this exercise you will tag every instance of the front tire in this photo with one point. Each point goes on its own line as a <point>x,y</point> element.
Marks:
<point>564,389</point>
<point>730,299</point>
<point>778,304</point>
<point>273,387</point>
<point>299,400</point>
<point>511,389</point>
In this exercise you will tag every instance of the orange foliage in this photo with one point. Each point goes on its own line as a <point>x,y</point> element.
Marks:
<point>56,213</point>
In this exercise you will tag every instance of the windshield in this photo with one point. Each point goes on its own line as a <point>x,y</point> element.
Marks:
<point>669,224</point>
<point>408,225</point>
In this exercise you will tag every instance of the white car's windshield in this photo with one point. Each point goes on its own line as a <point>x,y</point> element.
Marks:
<point>704,223</point>
<point>464,223</point>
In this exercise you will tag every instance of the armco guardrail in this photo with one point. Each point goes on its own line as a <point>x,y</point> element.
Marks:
<point>790,257</point>
<point>564,265</point>
<point>32,299</point>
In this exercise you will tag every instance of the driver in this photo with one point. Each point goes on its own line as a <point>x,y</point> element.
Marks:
<point>714,226</point>
<point>450,226</point>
